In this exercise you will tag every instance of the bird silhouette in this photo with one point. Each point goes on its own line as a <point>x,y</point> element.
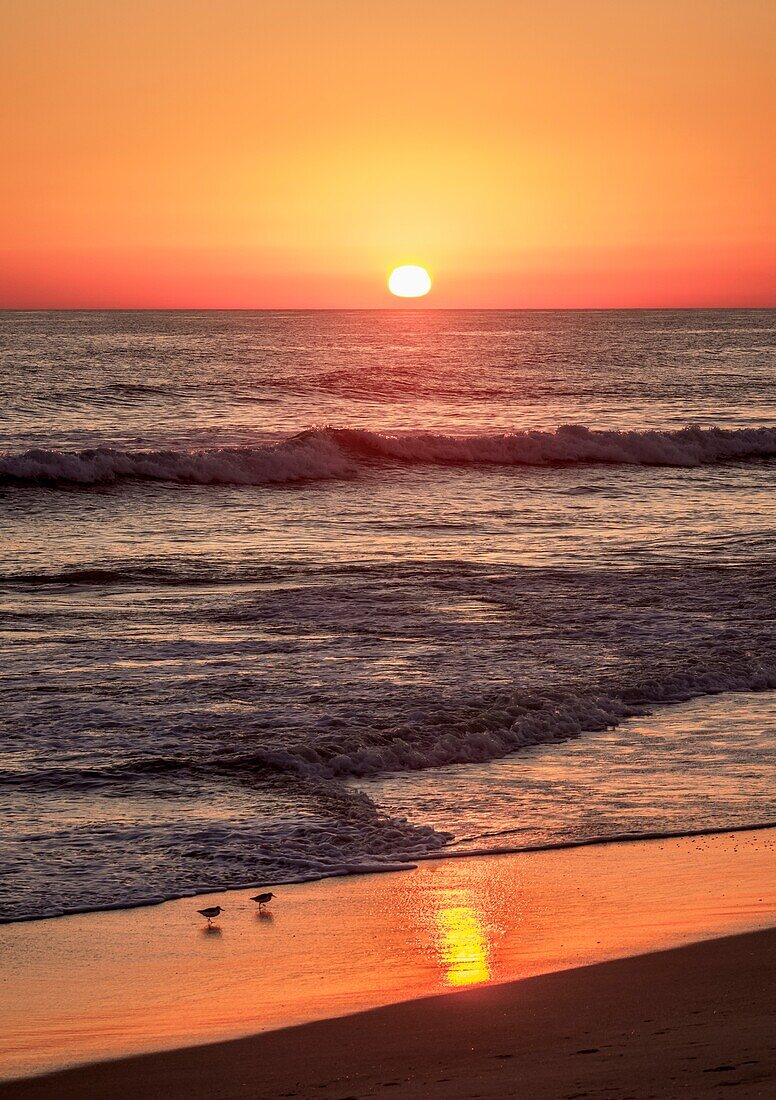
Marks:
<point>211,913</point>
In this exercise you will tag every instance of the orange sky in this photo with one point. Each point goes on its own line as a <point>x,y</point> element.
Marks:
<point>288,153</point>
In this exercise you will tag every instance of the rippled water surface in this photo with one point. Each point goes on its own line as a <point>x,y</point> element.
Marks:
<point>293,594</point>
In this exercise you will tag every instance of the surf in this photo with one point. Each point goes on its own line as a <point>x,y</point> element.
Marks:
<point>327,453</point>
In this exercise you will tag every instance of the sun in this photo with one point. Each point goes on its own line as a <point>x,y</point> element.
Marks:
<point>409,281</point>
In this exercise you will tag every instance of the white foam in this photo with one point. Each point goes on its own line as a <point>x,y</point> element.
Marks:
<point>526,719</point>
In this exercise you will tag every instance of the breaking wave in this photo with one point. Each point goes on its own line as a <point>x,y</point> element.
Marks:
<point>512,724</point>
<point>330,453</point>
<point>474,734</point>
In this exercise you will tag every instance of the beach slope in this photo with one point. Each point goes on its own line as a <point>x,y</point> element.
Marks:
<point>691,1022</point>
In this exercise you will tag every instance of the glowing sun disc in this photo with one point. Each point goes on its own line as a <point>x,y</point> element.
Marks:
<point>409,281</point>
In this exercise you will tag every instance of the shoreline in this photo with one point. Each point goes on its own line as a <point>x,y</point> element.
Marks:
<point>411,865</point>
<point>101,986</point>
<point>680,1021</point>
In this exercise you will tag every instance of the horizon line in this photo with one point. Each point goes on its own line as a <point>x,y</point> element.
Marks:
<point>389,309</point>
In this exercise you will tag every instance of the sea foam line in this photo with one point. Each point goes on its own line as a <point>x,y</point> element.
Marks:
<point>391,866</point>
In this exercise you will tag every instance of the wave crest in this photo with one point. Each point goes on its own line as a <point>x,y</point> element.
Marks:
<point>327,453</point>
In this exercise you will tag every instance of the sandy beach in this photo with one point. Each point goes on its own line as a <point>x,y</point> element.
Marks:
<point>102,986</point>
<point>688,1022</point>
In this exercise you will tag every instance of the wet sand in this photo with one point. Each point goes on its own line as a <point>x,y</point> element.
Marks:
<point>689,1022</point>
<point>105,985</point>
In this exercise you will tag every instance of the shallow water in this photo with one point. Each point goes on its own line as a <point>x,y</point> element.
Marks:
<point>264,575</point>
<point>594,786</point>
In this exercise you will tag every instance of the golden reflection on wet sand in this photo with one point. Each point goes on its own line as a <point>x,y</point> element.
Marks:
<point>461,941</point>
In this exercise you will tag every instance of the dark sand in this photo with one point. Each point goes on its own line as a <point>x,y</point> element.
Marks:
<point>696,1021</point>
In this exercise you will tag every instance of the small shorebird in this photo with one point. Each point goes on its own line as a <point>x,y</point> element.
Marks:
<point>211,913</point>
<point>263,899</point>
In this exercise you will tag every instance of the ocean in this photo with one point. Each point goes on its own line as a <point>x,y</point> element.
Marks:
<point>288,595</point>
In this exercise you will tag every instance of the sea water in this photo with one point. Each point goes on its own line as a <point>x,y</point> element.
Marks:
<point>287,595</point>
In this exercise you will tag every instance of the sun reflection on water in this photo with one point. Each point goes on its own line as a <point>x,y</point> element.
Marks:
<point>463,945</point>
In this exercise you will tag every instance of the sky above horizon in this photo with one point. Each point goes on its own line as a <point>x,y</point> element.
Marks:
<point>569,153</point>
